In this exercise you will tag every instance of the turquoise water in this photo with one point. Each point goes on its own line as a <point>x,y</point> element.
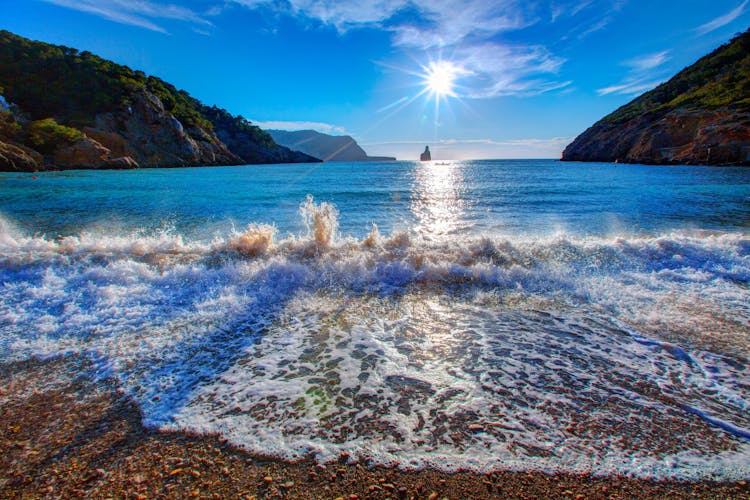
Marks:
<point>480,314</point>
<point>481,197</point>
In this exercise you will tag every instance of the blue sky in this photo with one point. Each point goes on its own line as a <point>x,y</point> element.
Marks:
<point>526,76</point>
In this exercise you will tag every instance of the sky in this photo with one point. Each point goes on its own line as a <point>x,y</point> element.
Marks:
<point>470,78</point>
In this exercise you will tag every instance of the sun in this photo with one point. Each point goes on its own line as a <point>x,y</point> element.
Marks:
<point>440,78</point>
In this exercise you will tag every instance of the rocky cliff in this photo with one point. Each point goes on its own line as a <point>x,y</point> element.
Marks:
<point>324,146</point>
<point>700,116</point>
<point>67,109</point>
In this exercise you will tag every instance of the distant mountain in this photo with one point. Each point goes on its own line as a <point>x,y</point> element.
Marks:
<point>61,108</point>
<point>700,116</point>
<point>324,146</point>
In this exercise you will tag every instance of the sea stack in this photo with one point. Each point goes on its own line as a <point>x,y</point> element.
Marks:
<point>426,156</point>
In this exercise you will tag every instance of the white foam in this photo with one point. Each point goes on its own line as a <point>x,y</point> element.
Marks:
<point>571,353</point>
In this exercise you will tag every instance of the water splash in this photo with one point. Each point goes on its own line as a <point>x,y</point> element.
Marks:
<point>321,221</point>
<point>468,352</point>
<point>256,240</point>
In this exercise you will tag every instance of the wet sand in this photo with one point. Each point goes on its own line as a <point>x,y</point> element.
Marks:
<point>66,436</point>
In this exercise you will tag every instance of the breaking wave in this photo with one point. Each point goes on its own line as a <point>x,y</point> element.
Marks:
<point>619,354</point>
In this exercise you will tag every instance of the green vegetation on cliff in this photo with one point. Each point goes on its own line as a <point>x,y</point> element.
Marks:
<point>700,116</point>
<point>222,119</point>
<point>46,135</point>
<point>722,78</point>
<point>73,87</point>
<point>59,94</point>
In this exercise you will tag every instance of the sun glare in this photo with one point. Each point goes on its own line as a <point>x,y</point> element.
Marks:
<point>440,78</point>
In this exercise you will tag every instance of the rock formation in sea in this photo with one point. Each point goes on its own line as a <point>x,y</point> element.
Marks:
<point>61,108</point>
<point>426,156</point>
<point>324,146</point>
<point>700,116</point>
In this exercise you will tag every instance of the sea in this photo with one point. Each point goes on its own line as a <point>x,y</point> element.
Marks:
<point>461,315</point>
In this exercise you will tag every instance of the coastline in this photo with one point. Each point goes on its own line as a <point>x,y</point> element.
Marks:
<point>69,436</point>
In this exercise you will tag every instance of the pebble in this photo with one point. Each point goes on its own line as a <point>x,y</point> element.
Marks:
<point>433,496</point>
<point>268,479</point>
<point>476,427</point>
<point>289,484</point>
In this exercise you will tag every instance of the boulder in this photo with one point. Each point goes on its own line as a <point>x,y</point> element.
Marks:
<point>19,158</point>
<point>84,153</point>
<point>122,163</point>
<point>118,146</point>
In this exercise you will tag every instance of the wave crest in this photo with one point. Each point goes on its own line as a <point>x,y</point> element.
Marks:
<point>403,335</point>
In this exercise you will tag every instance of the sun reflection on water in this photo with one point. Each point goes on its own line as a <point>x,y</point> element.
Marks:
<point>437,200</point>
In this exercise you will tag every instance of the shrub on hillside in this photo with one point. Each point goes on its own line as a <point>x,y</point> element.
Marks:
<point>46,135</point>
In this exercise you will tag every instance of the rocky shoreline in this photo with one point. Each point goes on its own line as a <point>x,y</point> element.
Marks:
<point>143,135</point>
<point>701,116</point>
<point>67,436</point>
<point>65,109</point>
<point>718,137</point>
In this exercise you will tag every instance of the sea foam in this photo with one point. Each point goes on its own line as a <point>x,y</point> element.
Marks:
<point>621,354</point>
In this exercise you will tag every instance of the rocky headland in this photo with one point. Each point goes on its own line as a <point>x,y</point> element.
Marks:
<point>61,109</point>
<point>324,146</point>
<point>699,117</point>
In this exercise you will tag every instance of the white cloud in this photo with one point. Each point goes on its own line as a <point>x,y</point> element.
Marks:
<point>580,6</point>
<point>722,20</point>
<point>465,29</point>
<point>629,88</point>
<point>640,78</point>
<point>465,149</point>
<point>496,70</point>
<point>439,23</point>
<point>597,26</point>
<point>326,128</point>
<point>648,61</point>
<point>141,13</point>
<point>568,9</point>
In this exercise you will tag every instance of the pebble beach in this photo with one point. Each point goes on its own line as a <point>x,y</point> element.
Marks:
<point>84,439</point>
